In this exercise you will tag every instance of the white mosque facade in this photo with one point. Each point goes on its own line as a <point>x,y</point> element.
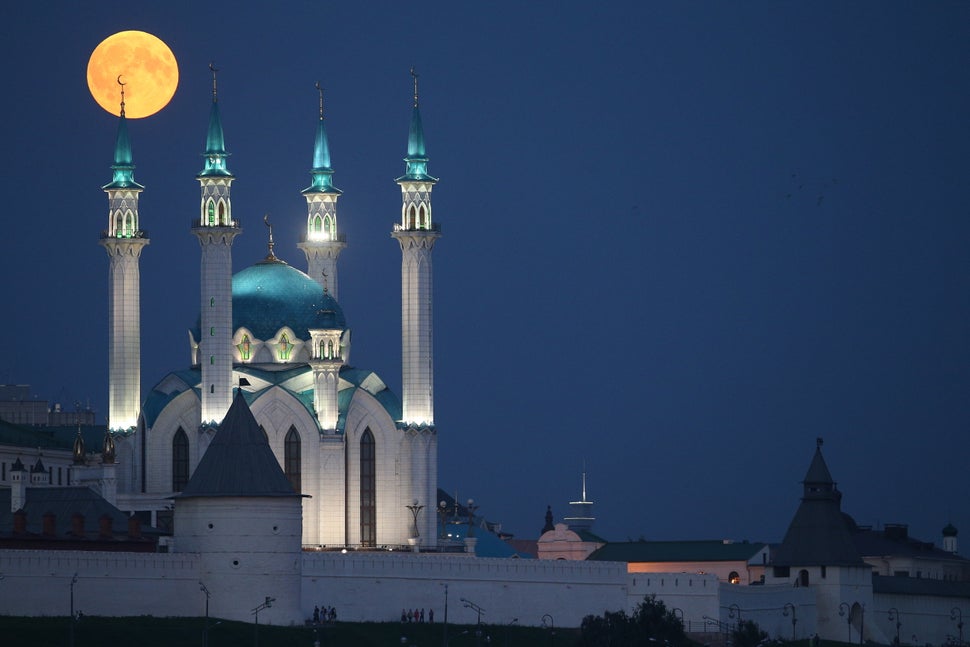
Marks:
<point>359,453</point>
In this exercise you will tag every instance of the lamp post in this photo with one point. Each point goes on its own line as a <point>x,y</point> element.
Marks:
<point>443,513</point>
<point>794,620</point>
<point>507,629</point>
<point>205,627</point>
<point>550,624</point>
<point>444,640</point>
<point>894,617</point>
<point>73,582</point>
<point>679,614</point>
<point>846,612</point>
<point>474,607</point>
<point>957,614</point>
<point>734,611</point>
<point>255,612</point>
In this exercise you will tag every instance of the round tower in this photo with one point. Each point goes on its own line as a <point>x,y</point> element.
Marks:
<point>950,538</point>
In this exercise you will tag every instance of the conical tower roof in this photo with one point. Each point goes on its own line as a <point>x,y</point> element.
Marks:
<point>239,461</point>
<point>818,534</point>
<point>122,171</point>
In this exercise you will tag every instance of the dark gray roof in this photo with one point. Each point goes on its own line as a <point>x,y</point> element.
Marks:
<point>63,502</point>
<point>819,534</point>
<point>239,461</point>
<point>887,584</point>
<point>894,540</point>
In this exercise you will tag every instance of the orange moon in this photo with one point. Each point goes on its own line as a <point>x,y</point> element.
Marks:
<point>144,64</point>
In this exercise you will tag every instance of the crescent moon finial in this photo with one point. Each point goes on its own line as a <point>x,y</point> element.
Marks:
<point>415,75</point>
<point>213,69</point>
<point>320,90</point>
<point>271,256</point>
<point>122,84</point>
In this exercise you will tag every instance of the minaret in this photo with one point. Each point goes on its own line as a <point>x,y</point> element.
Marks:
<point>216,229</point>
<point>582,511</point>
<point>123,240</point>
<point>417,234</point>
<point>322,243</point>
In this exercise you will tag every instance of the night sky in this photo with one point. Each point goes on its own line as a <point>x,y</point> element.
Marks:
<point>681,239</point>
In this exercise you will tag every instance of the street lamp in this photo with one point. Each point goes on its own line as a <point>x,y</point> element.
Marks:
<point>846,612</point>
<point>205,630</point>
<point>507,629</point>
<point>957,614</point>
<point>73,582</point>
<point>443,513</point>
<point>548,623</point>
<point>734,611</point>
<point>794,620</point>
<point>894,617</point>
<point>255,612</point>
<point>444,640</point>
<point>474,607</point>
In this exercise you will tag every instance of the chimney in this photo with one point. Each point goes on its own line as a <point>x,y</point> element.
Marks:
<point>20,522</point>
<point>49,524</point>
<point>77,524</point>
<point>104,527</point>
<point>134,527</point>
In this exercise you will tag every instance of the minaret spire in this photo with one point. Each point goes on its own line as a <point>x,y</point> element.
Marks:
<point>322,242</point>
<point>216,229</point>
<point>123,241</point>
<point>416,233</point>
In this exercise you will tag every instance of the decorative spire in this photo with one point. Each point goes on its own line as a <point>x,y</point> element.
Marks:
<point>321,172</point>
<point>108,450</point>
<point>215,144</point>
<point>417,157</point>
<point>270,257</point>
<point>122,171</point>
<point>215,94</point>
<point>79,447</point>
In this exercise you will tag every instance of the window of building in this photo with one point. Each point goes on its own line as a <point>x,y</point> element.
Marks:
<point>368,490</point>
<point>734,578</point>
<point>180,460</point>
<point>803,578</point>
<point>245,348</point>
<point>291,458</point>
<point>211,212</point>
<point>285,348</point>
<point>317,225</point>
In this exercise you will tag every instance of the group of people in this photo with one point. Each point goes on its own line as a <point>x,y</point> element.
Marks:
<point>414,615</point>
<point>326,614</point>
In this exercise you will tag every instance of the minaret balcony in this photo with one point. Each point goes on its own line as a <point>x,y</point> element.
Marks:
<point>200,223</point>
<point>324,238</point>
<point>435,226</point>
<point>138,233</point>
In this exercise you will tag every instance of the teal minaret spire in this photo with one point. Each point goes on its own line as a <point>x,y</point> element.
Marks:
<point>123,240</point>
<point>322,243</point>
<point>216,229</point>
<point>417,234</point>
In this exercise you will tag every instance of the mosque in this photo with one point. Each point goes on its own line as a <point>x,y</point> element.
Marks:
<point>359,453</point>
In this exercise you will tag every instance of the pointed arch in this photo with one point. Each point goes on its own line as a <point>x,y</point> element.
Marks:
<point>210,211</point>
<point>292,452</point>
<point>410,222</point>
<point>223,219</point>
<point>329,227</point>
<point>180,460</point>
<point>421,224</point>
<point>368,489</point>
<point>119,226</point>
<point>316,224</point>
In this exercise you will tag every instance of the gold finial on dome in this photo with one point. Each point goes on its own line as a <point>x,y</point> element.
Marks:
<point>122,84</point>
<point>415,75</point>
<point>320,90</point>
<point>271,257</point>
<point>213,69</point>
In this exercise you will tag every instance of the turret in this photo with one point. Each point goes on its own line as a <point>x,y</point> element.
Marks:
<point>950,538</point>
<point>326,360</point>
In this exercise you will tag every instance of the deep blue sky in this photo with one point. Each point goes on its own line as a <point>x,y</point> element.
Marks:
<point>682,239</point>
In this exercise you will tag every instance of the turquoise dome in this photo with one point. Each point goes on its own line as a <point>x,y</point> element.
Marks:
<point>271,294</point>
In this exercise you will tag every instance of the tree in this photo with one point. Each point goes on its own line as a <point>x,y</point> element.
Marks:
<point>748,634</point>
<point>651,625</point>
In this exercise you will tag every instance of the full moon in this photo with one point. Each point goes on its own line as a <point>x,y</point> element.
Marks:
<point>143,63</point>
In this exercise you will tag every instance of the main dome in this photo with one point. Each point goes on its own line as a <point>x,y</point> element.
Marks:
<point>270,295</point>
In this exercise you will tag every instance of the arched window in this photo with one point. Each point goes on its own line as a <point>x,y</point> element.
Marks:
<point>330,354</point>
<point>245,348</point>
<point>285,348</point>
<point>222,214</point>
<point>128,227</point>
<point>180,460</point>
<point>411,217</point>
<point>803,578</point>
<point>328,227</point>
<point>734,578</point>
<point>317,224</point>
<point>368,490</point>
<point>211,213</point>
<point>291,458</point>
<point>421,218</point>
